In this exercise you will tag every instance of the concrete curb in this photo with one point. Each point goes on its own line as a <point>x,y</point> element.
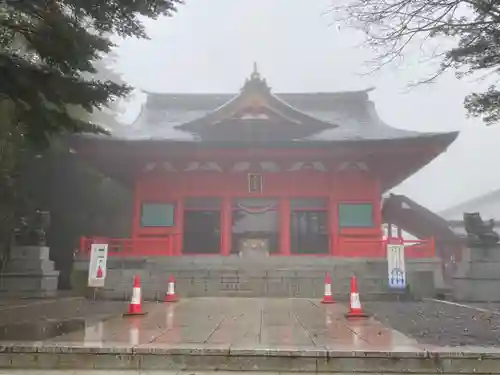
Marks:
<point>220,358</point>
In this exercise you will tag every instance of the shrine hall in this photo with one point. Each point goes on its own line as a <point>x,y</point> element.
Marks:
<point>279,174</point>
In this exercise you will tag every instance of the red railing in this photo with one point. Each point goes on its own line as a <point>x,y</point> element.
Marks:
<point>420,248</point>
<point>168,246</point>
<point>353,247</point>
<point>377,248</point>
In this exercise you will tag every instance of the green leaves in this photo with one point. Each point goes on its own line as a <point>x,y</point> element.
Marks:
<point>48,50</point>
<point>486,105</point>
<point>121,16</point>
<point>42,96</point>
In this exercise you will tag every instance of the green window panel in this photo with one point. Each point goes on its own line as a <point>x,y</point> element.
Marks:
<point>157,215</point>
<point>356,215</point>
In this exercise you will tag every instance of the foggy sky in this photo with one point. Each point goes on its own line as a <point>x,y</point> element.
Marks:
<point>210,46</point>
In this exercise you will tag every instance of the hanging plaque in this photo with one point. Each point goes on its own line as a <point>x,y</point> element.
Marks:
<point>254,183</point>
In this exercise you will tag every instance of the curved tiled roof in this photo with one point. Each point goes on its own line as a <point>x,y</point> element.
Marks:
<point>341,124</point>
<point>351,113</point>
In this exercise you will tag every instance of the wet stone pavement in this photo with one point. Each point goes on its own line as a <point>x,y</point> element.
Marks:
<point>252,322</point>
<point>36,320</point>
<point>240,323</point>
<point>33,312</point>
<point>253,334</point>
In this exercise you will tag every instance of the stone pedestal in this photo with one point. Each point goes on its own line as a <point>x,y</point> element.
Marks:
<point>478,276</point>
<point>29,273</point>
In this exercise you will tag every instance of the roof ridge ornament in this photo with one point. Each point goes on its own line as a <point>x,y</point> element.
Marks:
<point>255,73</point>
<point>256,82</point>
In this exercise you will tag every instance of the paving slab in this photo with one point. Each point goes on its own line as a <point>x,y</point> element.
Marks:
<point>243,334</point>
<point>235,322</point>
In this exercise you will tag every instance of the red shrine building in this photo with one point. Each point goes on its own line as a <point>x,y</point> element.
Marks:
<point>291,174</point>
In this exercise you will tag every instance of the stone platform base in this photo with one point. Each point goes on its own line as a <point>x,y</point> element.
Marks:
<point>29,273</point>
<point>199,358</point>
<point>217,276</point>
<point>478,276</point>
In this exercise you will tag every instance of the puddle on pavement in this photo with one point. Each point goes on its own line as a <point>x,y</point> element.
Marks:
<point>41,330</point>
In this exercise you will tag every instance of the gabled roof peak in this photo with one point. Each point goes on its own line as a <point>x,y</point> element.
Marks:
<point>255,113</point>
<point>255,82</point>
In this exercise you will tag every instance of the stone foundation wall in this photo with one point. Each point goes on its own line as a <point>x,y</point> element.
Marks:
<point>268,277</point>
<point>478,276</point>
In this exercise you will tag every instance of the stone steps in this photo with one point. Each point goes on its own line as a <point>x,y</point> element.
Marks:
<point>299,360</point>
<point>301,277</point>
<point>298,286</point>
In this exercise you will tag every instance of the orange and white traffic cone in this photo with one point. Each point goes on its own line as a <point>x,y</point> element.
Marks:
<point>171,296</point>
<point>135,305</point>
<point>327,297</point>
<point>355,308</point>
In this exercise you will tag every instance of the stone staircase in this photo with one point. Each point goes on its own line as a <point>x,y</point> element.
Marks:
<point>300,277</point>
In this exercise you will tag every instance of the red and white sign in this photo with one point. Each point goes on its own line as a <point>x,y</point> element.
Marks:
<point>97,265</point>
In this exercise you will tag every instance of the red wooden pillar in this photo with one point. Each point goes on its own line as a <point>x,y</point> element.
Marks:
<point>226,226</point>
<point>377,204</point>
<point>284,214</point>
<point>178,237</point>
<point>136,212</point>
<point>378,220</point>
<point>333,219</point>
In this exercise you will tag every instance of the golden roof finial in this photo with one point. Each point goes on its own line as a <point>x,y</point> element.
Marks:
<point>255,81</point>
<point>255,73</point>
